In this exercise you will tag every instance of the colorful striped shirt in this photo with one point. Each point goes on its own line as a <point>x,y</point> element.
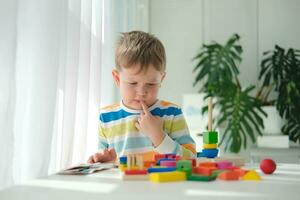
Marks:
<point>117,130</point>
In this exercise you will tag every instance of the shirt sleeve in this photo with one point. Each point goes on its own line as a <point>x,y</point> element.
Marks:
<point>178,140</point>
<point>102,141</point>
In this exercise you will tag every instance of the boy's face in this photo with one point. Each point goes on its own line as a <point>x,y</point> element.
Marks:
<point>138,86</point>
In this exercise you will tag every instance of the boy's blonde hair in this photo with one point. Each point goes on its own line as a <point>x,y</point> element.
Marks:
<point>144,49</point>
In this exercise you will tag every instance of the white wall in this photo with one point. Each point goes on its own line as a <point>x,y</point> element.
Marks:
<point>184,25</point>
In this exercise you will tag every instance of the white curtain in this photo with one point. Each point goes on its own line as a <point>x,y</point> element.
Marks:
<point>50,81</point>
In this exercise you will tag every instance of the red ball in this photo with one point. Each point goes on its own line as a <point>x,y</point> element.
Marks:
<point>268,166</point>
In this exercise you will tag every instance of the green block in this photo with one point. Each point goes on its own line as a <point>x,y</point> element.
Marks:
<point>210,137</point>
<point>184,166</point>
<point>194,177</point>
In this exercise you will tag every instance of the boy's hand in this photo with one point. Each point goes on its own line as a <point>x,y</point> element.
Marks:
<point>107,155</point>
<point>151,126</point>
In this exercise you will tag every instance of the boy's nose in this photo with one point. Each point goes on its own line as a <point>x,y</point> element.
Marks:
<point>141,91</point>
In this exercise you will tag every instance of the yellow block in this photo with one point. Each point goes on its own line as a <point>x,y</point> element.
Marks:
<point>167,176</point>
<point>252,175</point>
<point>122,167</point>
<point>210,146</point>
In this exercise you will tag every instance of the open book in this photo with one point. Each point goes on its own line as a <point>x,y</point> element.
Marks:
<point>84,169</point>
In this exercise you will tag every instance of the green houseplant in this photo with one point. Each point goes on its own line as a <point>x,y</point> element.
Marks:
<point>280,72</point>
<point>217,71</point>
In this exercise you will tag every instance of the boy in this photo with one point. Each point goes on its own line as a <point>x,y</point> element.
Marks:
<point>141,123</point>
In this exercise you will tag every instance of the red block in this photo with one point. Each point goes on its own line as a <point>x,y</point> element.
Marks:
<point>229,176</point>
<point>157,157</point>
<point>208,164</point>
<point>135,171</point>
<point>193,161</point>
<point>207,171</point>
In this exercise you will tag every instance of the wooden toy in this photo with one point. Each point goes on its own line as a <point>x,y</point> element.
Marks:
<point>135,171</point>
<point>210,153</point>
<point>267,166</point>
<point>161,169</point>
<point>165,159</point>
<point>167,176</point>
<point>194,161</point>
<point>224,164</point>
<point>206,171</point>
<point>123,160</point>
<point>207,164</point>
<point>149,163</point>
<point>210,146</point>
<point>251,176</point>
<point>241,172</point>
<point>168,163</point>
<point>159,156</point>
<point>194,177</point>
<point>122,167</point>
<point>229,176</point>
<point>210,137</point>
<point>135,160</point>
<point>184,166</point>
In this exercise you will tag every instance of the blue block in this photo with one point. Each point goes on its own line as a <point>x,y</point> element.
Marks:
<point>123,159</point>
<point>161,169</point>
<point>210,153</point>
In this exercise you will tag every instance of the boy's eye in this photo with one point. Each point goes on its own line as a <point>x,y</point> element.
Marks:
<point>151,84</point>
<point>133,83</point>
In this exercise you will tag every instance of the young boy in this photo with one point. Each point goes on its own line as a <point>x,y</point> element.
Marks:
<point>141,123</point>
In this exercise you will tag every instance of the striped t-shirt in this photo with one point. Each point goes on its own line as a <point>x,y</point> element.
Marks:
<point>117,130</point>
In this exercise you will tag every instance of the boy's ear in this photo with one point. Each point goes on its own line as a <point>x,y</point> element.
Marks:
<point>116,76</point>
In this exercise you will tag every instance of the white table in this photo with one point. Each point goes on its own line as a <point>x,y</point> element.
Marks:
<point>284,184</point>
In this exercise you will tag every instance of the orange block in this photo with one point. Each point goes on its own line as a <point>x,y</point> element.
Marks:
<point>208,164</point>
<point>207,171</point>
<point>149,163</point>
<point>241,172</point>
<point>229,176</point>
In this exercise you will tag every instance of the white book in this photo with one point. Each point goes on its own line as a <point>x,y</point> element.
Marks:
<point>273,141</point>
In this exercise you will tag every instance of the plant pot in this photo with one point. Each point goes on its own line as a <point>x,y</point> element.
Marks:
<point>273,122</point>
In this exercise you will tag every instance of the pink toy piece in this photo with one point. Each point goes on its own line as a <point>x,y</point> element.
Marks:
<point>168,163</point>
<point>224,164</point>
<point>268,166</point>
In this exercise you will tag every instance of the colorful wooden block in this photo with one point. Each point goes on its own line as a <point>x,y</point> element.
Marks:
<point>165,159</point>
<point>194,177</point>
<point>210,146</point>
<point>123,159</point>
<point>224,164</point>
<point>199,154</point>
<point>217,172</point>
<point>229,176</point>
<point>168,163</point>
<point>159,156</point>
<point>184,166</point>
<point>207,164</point>
<point>122,167</point>
<point>241,172</point>
<point>167,176</point>
<point>210,137</point>
<point>251,175</point>
<point>210,153</point>
<point>170,155</point>
<point>135,171</point>
<point>206,171</point>
<point>236,160</point>
<point>194,162</point>
<point>149,163</point>
<point>161,169</point>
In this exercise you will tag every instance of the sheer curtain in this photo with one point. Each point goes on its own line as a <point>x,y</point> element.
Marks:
<point>50,81</point>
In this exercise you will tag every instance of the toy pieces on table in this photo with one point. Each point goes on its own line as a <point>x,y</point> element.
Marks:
<point>135,160</point>
<point>207,164</point>
<point>195,177</point>
<point>210,153</point>
<point>229,176</point>
<point>236,160</point>
<point>167,176</point>
<point>165,159</point>
<point>149,163</point>
<point>161,169</point>
<point>135,177</point>
<point>210,137</point>
<point>252,175</point>
<point>267,166</point>
<point>194,161</point>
